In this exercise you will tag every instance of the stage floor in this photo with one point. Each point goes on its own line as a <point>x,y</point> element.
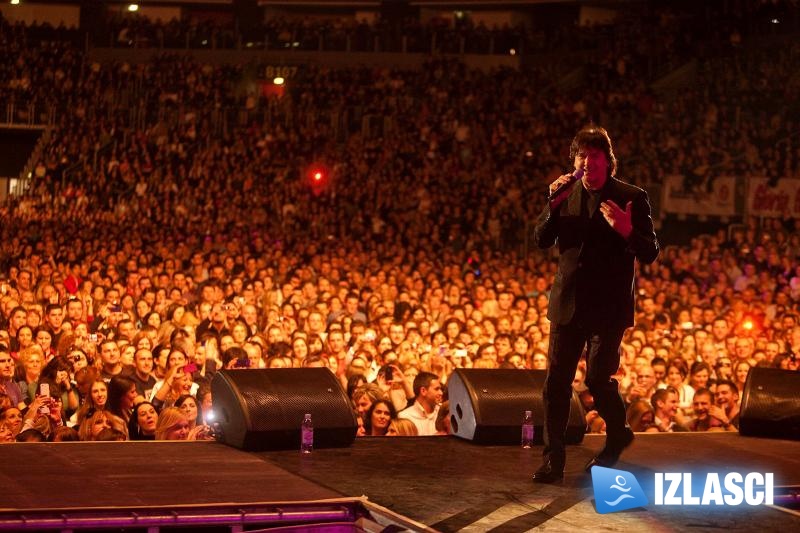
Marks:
<point>444,482</point>
<point>453,485</point>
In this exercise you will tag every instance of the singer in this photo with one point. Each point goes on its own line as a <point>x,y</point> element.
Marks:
<point>601,224</point>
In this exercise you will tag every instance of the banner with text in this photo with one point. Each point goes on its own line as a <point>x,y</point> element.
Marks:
<point>780,200</point>
<point>716,200</point>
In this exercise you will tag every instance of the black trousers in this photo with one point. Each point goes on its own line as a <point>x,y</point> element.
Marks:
<point>567,343</point>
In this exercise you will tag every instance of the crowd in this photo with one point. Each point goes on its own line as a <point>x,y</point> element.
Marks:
<point>658,32</point>
<point>156,247</point>
<point>108,344</point>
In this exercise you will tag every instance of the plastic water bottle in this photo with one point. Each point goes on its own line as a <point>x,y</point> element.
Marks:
<point>527,430</point>
<point>307,434</point>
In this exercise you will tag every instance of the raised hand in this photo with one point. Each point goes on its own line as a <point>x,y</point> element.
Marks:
<point>617,218</point>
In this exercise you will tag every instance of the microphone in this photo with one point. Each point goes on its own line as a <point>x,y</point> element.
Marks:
<point>578,174</point>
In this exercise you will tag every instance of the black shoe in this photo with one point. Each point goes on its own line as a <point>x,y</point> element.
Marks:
<point>609,455</point>
<point>548,473</point>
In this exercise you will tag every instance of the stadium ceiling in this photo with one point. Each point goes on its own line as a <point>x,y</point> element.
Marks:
<point>433,3</point>
<point>166,3</point>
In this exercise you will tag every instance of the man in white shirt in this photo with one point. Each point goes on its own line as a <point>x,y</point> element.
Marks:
<point>428,397</point>
<point>665,405</point>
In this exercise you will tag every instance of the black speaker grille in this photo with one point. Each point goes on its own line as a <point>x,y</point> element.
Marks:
<point>492,403</point>
<point>771,404</point>
<point>263,409</point>
<point>281,394</point>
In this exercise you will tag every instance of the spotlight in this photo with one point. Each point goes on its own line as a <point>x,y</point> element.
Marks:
<point>318,178</point>
<point>133,8</point>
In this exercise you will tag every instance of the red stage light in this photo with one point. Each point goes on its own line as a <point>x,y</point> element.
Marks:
<point>318,177</point>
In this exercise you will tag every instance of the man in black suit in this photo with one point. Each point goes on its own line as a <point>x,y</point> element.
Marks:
<point>601,225</point>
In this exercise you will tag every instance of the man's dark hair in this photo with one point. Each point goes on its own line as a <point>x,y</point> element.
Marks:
<point>279,349</point>
<point>592,136</point>
<point>423,379</point>
<point>234,352</point>
<point>730,384</point>
<point>703,391</point>
<point>312,359</point>
<point>123,321</point>
<point>502,336</point>
<point>660,395</point>
<point>699,366</point>
<point>658,361</point>
<point>31,435</point>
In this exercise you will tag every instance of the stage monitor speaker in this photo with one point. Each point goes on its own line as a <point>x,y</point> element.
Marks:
<point>263,409</point>
<point>771,404</point>
<point>487,405</point>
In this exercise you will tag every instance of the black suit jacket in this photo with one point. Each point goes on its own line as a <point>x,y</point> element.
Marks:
<point>594,281</point>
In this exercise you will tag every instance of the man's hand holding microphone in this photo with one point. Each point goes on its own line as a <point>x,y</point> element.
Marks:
<point>560,189</point>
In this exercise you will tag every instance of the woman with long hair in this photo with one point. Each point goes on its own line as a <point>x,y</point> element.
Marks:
<point>377,419</point>
<point>299,349</point>
<point>95,400</point>
<point>364,396</point>
<point>453,328</point>
<point>142,340</point>
<point>24,338</point>
<point>174,313</point>
<point>677,372</point>
<point>239,332</point>
<point>44,338</point>
<point>121,397</point>
<point>315,344</point>
<point>152,319</point>
<point>84,378</point>
<point>173,424</point>
<point>402,427</point>
<point>188,404</point>
<point>11,417</point>
<point>177,383</point>
<point>58,371</point>
<point>95,422</point>
<point>740,372</point>
<point>640,415</point>
<point>699,375</point>
<point>143,422</point>
<point>77,359</point>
